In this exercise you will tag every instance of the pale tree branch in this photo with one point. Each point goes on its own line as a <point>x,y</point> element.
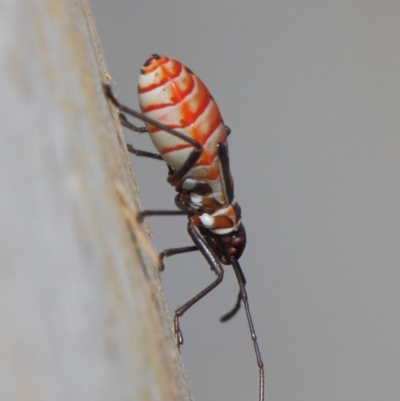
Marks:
<point>82,315</point>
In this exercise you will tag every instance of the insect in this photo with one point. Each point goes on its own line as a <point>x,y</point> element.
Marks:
<point>186,127</point>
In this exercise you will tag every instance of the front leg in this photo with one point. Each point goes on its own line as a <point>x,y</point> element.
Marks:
<point>174,251</point>
<point>216,267</point>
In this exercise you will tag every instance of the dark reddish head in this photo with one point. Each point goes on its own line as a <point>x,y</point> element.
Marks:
<point>228,247</point>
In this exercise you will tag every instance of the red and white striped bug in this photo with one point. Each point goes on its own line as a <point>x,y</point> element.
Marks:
<point>187,129</point>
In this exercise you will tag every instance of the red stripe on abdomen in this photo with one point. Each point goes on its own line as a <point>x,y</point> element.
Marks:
<point>181,101</point>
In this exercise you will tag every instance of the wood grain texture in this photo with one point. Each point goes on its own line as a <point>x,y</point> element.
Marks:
<point>82,315</point>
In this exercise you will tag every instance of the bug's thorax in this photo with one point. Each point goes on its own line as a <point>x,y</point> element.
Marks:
<point>207,198</point>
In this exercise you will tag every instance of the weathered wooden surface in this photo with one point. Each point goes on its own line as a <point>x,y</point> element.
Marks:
<point>81,312</point>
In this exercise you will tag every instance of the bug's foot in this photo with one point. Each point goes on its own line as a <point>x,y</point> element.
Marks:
<point>178,333</point>
<point>161,260</point>
<point>140,217</point>
<point>131,149</point>
<point>110,95</point>
<point>125,122</point>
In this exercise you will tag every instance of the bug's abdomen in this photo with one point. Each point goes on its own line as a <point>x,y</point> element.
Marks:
<point>172,95</point>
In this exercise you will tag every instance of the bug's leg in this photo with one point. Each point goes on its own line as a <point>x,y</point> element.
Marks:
<point>174,251</point>
<point>143,153</point>
<point>242,284</point>
<point>216,267</point>
<point>197,147</point>
<point>226,174</point>
<point>184,210</point>
<point>144,213</point>
<point>127,124</point>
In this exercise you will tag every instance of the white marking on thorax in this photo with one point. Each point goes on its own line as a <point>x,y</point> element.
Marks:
<point>189,183</point>
<point>207,220</point>
<point>196,200</point>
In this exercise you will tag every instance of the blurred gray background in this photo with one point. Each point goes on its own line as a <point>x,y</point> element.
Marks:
<point>311,90</point>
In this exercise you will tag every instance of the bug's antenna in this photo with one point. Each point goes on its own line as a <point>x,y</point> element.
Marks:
<point>244,298</point>
<point>234,310</point>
